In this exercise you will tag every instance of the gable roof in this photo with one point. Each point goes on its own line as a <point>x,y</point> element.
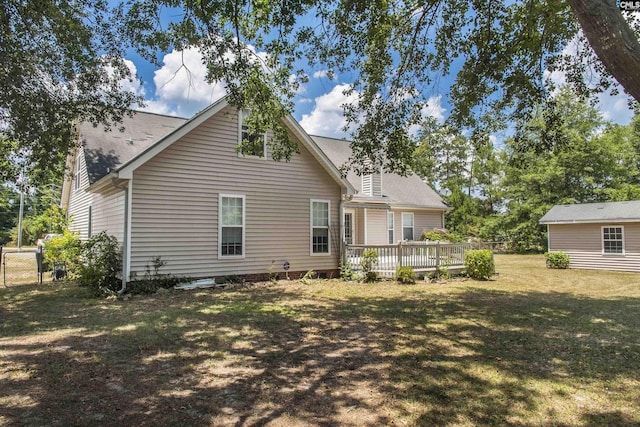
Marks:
<point>154,134</point>
<point>593,212</point>
<point>409,191</point>
<point>106,151</point>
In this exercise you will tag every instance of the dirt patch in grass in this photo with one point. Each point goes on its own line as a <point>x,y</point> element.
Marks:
<point>503,352</point>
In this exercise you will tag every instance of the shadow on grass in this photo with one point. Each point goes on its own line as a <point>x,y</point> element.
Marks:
<point>279,355</point>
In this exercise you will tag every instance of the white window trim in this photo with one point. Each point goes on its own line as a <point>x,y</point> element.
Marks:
<point>393,226</point>
<point>413,224</point>
<point>353,226</point>
<point>241,114</point>
<point>621,227</point>
<point>76,174</point>
<point>244,218</point>
<point>311,227</point>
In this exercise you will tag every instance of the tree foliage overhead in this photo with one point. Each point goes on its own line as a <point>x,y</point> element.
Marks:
<point>398,51</point>
<point>61,62</point>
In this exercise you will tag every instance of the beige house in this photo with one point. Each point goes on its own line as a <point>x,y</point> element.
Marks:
<point>597,236</point>
<point>178,189</point>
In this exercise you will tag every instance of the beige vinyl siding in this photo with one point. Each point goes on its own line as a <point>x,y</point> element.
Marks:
<point>422,220</point>
<point>359,227</point>
<point>107,212</point>
<point>79,201</point>
<point>175,206</point>
<point>583,243</point>
<point>377,227</point>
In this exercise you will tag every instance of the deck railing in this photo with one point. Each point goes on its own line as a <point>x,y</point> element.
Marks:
<point>421,256</point>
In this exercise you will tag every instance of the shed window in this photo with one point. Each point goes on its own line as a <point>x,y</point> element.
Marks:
<point>256,142</point>
<point>320,226</point>
<point>613,240</point>
<point>407,225</point>
<point>231,236</point>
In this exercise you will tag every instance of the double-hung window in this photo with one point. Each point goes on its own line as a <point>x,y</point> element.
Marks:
<point>231,225</point>
<point>390,226</point>
<point>407,225</point>
<point>320,226</point>
<point>613,240</point>
<point>254,144</point>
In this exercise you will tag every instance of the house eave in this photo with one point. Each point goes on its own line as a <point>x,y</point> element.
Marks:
<point>589,221</point>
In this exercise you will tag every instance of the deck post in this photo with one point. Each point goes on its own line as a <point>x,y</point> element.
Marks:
<point>437,254</point>
<point>400,253</point>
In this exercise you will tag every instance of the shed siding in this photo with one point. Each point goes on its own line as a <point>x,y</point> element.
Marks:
<point>583,243</point>
<point>108,212</point>
<point>377,227</point>
<point>80,201</point>
<point>175,206</point>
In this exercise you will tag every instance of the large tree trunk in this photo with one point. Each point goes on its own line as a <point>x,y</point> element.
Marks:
<point>612,39</point>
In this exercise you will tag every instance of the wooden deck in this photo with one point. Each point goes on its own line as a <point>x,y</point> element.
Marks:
<point>423,257</point>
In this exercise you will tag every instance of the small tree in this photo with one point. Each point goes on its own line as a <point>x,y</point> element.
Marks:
<point>367,263</point>
<point>66,249</point>
<point>101,267</point>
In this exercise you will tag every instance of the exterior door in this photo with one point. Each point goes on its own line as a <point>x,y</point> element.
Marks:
<point>348,228</point>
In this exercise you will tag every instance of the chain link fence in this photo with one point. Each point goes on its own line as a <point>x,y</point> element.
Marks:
<point>20,267</point>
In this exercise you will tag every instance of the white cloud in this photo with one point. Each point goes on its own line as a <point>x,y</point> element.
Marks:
<point>327,117</point>
<point>181,83</point>
<point>433,109</point>
<point>321,74</point>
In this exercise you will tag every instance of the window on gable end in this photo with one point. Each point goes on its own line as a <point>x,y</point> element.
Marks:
<point>256,143</point>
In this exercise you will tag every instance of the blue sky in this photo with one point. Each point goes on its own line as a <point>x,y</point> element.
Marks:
<point>174,90</point>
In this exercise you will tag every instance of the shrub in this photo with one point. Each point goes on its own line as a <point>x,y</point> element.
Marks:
<point>308,277</point>
<point>558,260</point>
<point>152,281</point>
<point>406,275</point>
<point>66,249</point>
<point>479,264</point>
<point>367,263</point>
<point>347,273</point>
<point>101,267</point>
<point>440,234</point>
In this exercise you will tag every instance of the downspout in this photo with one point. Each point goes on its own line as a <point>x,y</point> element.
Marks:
<point>342,242</point>
<point>125,232</point>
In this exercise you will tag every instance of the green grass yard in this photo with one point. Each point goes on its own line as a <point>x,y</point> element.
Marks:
<point>534,347</point>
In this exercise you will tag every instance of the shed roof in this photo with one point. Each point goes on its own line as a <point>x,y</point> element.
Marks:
<point>106,151</point>
<point>409,191</point>
<point>593,212</point>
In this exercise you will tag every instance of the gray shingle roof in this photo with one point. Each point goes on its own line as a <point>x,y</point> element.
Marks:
<point>396,189</point>
<point>593,212</point>
<point>105,151</point>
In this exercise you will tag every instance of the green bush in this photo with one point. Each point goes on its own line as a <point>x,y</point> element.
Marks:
<point>367,263</point>
<point>479,264</point>
<point>152,281</point>
<point>442,235</point>
<point>66,249</point>
<point>406,275</point>
<point>347,273</point>
<point>558,260</point>
<point>101,267</point>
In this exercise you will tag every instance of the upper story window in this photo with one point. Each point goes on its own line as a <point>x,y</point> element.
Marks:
<point>256,142</point>
<point>613,240</point>
<point>76,174</point>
